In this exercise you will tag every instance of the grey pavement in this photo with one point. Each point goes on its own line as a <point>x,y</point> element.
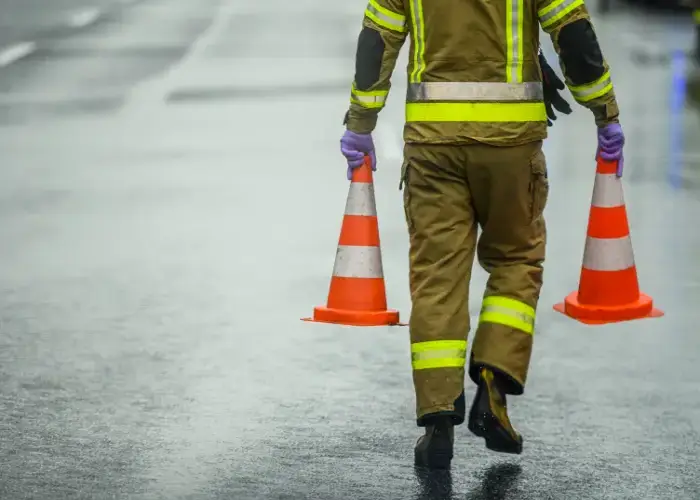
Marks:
<point>26,20</point>
<point>170,199</point>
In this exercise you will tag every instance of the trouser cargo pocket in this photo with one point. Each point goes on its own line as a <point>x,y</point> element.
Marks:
<point>539,185</point>
<point>405,186</point>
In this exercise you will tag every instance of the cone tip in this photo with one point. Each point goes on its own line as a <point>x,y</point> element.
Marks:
<point>363,173</point>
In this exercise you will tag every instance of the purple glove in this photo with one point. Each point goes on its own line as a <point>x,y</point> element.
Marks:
<point>610,143</point>
<point>354,148</point>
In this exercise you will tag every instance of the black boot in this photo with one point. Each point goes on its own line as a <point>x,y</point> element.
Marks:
<point>434,448</point>
<point>488,417</point>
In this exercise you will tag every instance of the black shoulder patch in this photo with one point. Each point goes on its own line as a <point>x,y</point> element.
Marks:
<point>370,51</point>
<point>580,52</point>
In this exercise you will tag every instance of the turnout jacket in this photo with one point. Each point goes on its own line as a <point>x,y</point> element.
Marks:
<point>473,70</point>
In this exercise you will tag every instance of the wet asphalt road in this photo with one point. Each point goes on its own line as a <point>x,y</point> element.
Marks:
<point>26,20</point>
<point>169,208</point>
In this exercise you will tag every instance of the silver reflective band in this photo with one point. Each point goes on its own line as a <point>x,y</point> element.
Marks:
<point>358,262</point>
<point>607,191</point>
<point>368,99</point>
<point>445,353</point>
<point>583,93</point>
<point>556,11</point>
<point>525,318</point>
<point>475,91</point>
<point>515,39</point>
<point>361,199</point>
<point>386,19</point>
<point>613,254</point>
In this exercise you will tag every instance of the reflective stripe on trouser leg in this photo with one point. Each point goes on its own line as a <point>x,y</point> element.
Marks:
<point>504,339</point>
<point>442,234</point>
<point>438,354</point>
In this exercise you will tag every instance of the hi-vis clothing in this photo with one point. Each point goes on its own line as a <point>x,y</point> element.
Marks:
<point>473,72</point>
<point>475,121</point>
<point>450,190</point>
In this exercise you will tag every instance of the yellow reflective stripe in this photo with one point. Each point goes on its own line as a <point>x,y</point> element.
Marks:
<point>514,39</point>
<point>696,15</point>
<point>593,90</point>
<point>438,354</point>
<point>368,98</point>
<point>418,40</point>
<point>556,11</point>
<point>385,18</point>
<point>509,312</point>
<point>476,112</point>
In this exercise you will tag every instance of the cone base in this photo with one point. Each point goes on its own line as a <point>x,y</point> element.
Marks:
<point>323,314</point>
<point>599,315</point>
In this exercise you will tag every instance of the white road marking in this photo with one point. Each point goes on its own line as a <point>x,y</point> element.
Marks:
<point>389,143</point>
<point>16,52</point>
<point>155,90</point>
<point>84,17</point>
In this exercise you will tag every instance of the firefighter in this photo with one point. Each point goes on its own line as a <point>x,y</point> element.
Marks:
<point>476,117</point>
<point>696,18</point>
<point>694,77</point>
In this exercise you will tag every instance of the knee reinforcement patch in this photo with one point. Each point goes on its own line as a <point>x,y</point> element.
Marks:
<point>370,51</point>
<point>580,52</point>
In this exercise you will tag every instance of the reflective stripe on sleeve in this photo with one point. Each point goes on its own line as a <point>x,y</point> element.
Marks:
<point>358,262</point>
<point>368,99</point>
<point>502,112</point>
<point>418,33</point>
<point>598,88</point>
<point>475,91</point>
<point>385,18</point>
<point>438,354</point>
<point>556,11</point>
<point>514,39</point>
<point>509,312</point>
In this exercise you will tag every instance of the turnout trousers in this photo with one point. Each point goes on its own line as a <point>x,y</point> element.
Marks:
<point>450,191</point>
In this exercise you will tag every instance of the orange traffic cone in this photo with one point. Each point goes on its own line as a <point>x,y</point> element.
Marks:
<point>608,289</point>
<point>357,293</point>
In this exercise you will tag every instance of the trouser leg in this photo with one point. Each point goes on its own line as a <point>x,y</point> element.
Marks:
<point>693,79</point>
<point>442,232</point>
<point>510,189</point>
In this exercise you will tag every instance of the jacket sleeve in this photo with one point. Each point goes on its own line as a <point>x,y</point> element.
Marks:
<point>384,31</point>
<point>586,72</point>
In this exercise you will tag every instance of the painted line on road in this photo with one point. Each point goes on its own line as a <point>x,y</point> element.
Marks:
<point>84,17</point>
<point>154,91</point>
<point>16,52</point>
<point>388,140</point>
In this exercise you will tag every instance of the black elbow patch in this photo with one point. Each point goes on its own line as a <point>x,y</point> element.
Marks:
<point>370,51</point>
<point>580,52</point>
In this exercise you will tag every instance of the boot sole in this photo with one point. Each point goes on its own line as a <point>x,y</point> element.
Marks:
<point>496,439</point>
<point>438,456</point>
<point>438,461</point>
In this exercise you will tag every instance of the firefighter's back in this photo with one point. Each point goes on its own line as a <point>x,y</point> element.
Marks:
<point>473,72</point>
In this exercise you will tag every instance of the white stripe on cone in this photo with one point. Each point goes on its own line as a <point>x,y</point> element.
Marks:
<point>358,262</point>
<point>607,191</point>
<point>608,254</point>
<point>361,199</point>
